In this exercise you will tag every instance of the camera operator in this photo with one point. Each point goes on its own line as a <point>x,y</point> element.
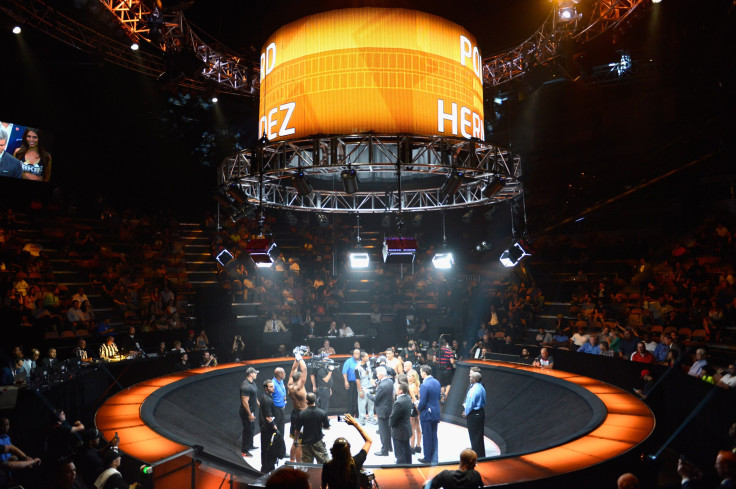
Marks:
<point>412,354</point>
<point>322,382</point>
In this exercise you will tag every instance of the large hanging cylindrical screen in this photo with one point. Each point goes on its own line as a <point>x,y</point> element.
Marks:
<point>390,71</point>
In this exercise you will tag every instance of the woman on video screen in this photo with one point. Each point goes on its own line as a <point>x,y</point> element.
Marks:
<point>36,161</point>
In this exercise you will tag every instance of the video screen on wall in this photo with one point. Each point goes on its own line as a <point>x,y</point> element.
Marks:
<point>25,152</point>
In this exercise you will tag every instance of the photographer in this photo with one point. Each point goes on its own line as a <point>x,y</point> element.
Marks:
<point>322,382</point>
<point>412,354</point>
<point>208,359</point>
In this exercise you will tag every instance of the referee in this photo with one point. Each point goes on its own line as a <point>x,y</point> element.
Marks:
<point>475,402</point>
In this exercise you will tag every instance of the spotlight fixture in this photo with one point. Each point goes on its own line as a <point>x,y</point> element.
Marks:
<point>301,184</point>
<point>214,100</point>
<point>349,180</point>
<point>237,194</point>
<point>17,30</point>
<point>443,261</point>
<point>359,259</point>
<point>262,251</point>
<point>452,184</point>
<point>417,220</point>
<point>134,46</point>
<point>567,11</point>
<point>483,246</point>
<point>512,256</point>
<point>223,257</point>
<point>322,220</point>
<point>399,250</point>
<point>493,187</point>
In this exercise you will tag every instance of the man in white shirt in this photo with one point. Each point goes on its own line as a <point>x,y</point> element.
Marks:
<point>729,378</point>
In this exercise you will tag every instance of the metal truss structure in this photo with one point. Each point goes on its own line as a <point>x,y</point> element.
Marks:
<point>171,33</point>
<point>402,173</point>
<point>544,46</point>
<point>167,33</point>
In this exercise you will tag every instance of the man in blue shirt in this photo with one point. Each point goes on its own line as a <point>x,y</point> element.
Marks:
<point>279,398</point>
<point>475,402</point>
<point>662,349</point>
<point>591,346</point>
<point>348,373</point>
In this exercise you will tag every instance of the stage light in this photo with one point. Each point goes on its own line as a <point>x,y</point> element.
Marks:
<point>417,220</point>
<point>482,246</point>
<point>301,184</point>
<point>468,217</point>
<point>214,100</point>
<point>359,259</point>
<point>262,251</point>
<point>567,11</point>
<point>134,46</point>
<point>656,1</point>
<point>237,194</point>
<point>493,187</point>
<point>399,250</point>
<point>512,256</point>
<point>17,30</point>
<point>224,257</point>
<point>322,220</point>
<point>349,180</point>
<point>452,184</point>
<point>443,261</point>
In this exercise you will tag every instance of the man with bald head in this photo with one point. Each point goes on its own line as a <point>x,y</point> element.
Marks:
<point>628,481</point>
<point>279,398</point>
<point>465,477</point>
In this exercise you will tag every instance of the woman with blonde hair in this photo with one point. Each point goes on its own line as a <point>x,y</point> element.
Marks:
<point>416,430</point>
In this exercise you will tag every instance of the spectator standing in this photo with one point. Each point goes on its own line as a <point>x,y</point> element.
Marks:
<point>348,373</point>
<point>311,422</point>
<point>248,404</point>
<point>475,402</point>
<point>429,413</point>
<point>400,424</point>
<point>279,398</point>
<point>269,430</point>
<point>383,401</point>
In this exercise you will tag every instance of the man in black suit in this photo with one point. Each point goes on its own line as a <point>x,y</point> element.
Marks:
<point>383,402</point>
<point>9,165</point>
<point>401,425</point>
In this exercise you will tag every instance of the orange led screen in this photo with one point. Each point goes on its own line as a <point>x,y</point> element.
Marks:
<point>390,71</point>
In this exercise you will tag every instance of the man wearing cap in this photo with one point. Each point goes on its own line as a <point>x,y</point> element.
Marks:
<point>89,458</point>
<point>311,422</point>
<point>110,477</point>
<point>248,403</point>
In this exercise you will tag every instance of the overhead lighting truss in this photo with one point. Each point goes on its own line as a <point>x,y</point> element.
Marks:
<point>374,157</point>
<point>236,75</point>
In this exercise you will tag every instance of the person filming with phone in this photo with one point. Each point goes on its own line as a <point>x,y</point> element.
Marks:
<point>342,472</point>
